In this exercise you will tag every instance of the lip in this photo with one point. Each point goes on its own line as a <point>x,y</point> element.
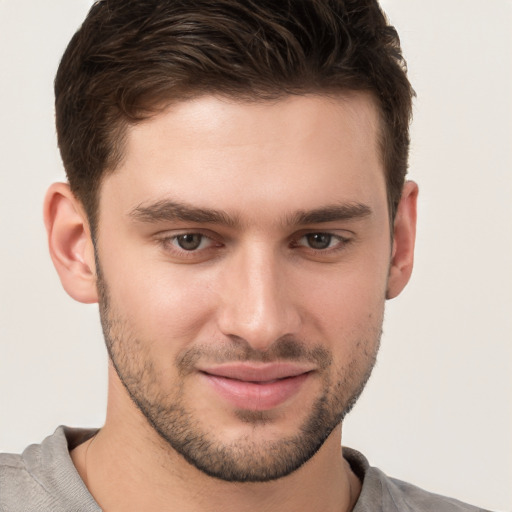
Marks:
<point>257,387</point>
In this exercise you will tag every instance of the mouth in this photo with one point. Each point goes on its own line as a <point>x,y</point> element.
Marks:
<point>257,387</point>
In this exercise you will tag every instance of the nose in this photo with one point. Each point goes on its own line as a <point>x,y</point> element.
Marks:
<point>257,299</point>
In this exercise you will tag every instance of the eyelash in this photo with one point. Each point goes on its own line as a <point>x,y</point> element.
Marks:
<point>170,243</point>
<point>341,244</point>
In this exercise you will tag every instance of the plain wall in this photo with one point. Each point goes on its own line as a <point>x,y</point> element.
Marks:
<point>438,409</point>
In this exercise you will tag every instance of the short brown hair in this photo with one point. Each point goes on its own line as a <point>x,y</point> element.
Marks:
<point>129,56</point>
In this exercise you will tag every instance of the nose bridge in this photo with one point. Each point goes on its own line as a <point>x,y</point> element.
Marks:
<point>257,305</point>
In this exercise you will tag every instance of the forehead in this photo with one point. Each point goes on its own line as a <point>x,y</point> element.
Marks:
<point>211,150</point>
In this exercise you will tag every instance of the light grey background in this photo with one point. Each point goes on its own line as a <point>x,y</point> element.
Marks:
<point>438,410</point>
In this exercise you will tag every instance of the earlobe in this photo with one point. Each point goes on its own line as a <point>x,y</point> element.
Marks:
<point>70,243</point>
<point>404,236</point>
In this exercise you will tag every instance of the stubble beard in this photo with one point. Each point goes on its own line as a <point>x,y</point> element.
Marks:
<point>245,459</point>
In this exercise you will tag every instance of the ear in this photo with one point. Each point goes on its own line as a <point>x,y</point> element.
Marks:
<point>404,236</point>
<point>70,243</point>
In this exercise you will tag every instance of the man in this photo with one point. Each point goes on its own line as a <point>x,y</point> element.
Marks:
<point>237,207</point>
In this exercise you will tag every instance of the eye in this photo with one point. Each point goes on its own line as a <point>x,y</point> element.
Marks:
<point>191,241</point>
<point>320,241</point>
<point>192,245</point>
<point>189,246</point>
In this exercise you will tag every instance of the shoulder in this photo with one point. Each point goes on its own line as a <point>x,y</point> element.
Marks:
<point>16,480</point>
<point>410,497</point>
<point>43,477</point>
<point>386,494</point>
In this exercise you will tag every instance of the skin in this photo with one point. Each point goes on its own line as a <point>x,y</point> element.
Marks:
<point>257,280</point>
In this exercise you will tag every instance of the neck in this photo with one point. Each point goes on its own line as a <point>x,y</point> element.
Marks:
<point>128,467</point>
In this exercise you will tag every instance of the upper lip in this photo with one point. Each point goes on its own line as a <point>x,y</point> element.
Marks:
<point>254,372</point>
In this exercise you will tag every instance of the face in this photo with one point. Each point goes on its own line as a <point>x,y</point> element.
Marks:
<point>243,253</point>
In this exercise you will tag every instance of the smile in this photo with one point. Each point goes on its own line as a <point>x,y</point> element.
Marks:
<point>257,388</point>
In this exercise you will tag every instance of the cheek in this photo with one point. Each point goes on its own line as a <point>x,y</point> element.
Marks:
<point>352,326</point>
<point>160,303</point>
<point>346,308</point>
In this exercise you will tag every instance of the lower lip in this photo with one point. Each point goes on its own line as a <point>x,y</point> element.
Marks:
<point>256,396</point>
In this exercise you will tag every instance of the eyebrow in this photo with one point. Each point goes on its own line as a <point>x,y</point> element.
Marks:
<point>169,210</point>
<point>331,213</point>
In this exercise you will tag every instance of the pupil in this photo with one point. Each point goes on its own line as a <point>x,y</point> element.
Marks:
<point>319,240</point>
<point>189,242</point>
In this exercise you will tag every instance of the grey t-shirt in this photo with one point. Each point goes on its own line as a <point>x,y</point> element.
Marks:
<point>44,479</point>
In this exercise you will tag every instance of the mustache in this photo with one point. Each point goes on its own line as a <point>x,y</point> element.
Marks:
<point>236,349</point>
